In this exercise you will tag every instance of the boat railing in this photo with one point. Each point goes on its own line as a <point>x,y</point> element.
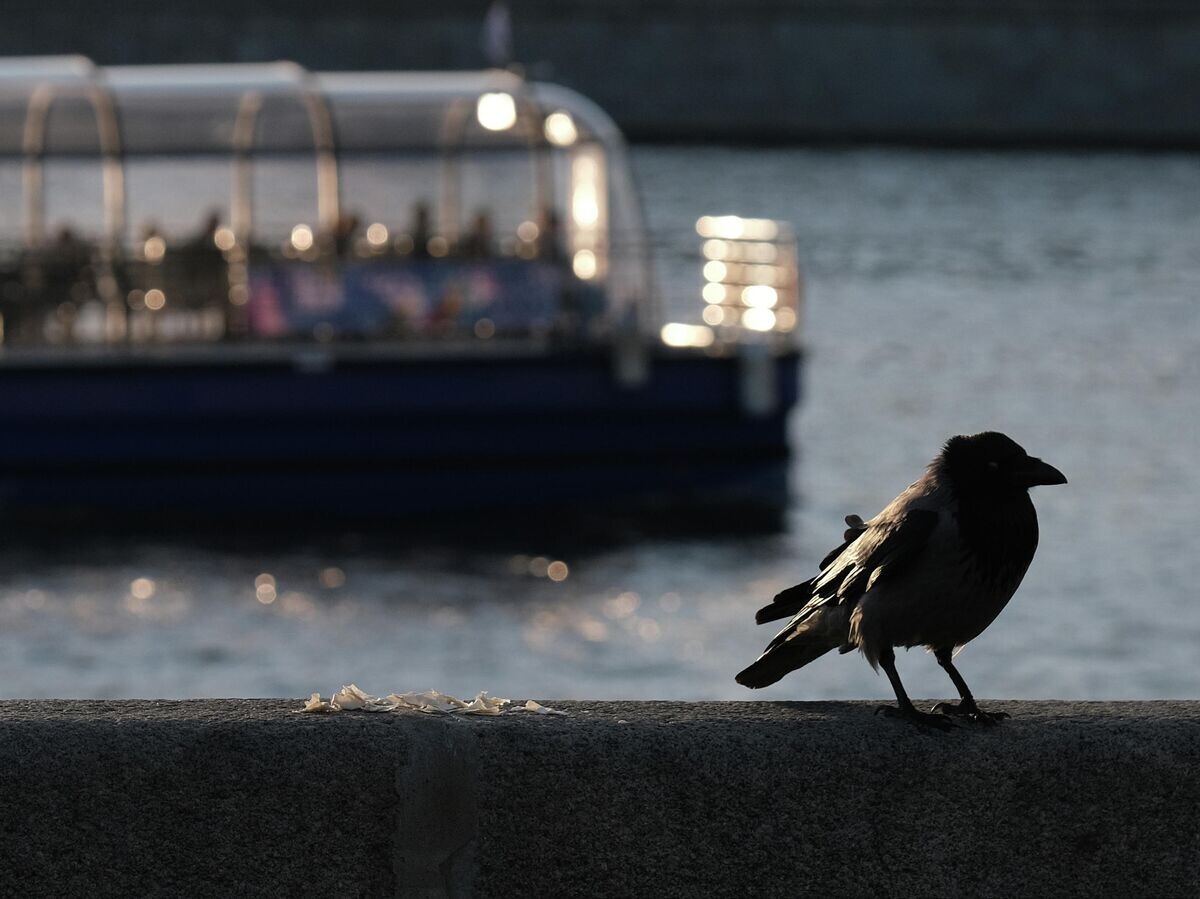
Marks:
<point>378,283</point>
<point>209,288</point>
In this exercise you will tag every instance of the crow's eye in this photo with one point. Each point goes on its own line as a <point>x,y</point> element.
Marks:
<point>993,465</point>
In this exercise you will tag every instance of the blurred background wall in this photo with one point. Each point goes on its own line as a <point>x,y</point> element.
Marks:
<point>942,71</point>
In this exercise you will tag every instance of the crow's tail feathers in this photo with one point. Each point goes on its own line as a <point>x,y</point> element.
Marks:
<point>775,663</point>
<point>793,648</point>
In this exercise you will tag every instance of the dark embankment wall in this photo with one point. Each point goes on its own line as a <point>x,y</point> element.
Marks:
<point>247,798</point>
<point>982,71</point>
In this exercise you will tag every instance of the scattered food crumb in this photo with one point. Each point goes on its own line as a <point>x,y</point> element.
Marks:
<point>538,709</point>
<point>316,704</point>
<point>352,698</point>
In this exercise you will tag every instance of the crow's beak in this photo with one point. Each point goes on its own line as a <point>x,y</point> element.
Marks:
<point>1035,473</point>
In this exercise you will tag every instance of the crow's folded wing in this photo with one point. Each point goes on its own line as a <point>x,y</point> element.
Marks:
<point>884,550</point>
<point>881,549</point>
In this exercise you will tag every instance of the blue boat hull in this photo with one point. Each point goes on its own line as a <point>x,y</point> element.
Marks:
<point>389,437</point>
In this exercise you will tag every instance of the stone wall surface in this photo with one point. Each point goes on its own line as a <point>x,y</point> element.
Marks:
<point>249,798</point>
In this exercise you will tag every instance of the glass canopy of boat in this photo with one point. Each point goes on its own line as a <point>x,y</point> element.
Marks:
<point>263,202</point>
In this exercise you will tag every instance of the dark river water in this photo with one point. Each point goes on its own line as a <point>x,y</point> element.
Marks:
<point>1055,297</point>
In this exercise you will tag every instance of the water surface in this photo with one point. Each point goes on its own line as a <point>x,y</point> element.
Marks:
<point>1051,296</point>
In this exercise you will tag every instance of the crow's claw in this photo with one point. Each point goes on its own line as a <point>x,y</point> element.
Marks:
<point>921,719</point>
<point>970,711</point>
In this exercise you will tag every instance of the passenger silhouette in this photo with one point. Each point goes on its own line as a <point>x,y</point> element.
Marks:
<point>549,239</point>
<point>478,242</point>
<point>343,234</point>
<point>421,231</point>
<point>66,269</point>
<point>203,268</point>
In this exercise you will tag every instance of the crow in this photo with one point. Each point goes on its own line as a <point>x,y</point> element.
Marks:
<point>934,568</point>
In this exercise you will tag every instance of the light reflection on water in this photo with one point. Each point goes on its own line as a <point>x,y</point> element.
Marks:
<point>1052,296</point>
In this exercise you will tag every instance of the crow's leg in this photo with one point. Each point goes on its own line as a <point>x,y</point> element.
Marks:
<point>966,707</point>
<point>904,707</point>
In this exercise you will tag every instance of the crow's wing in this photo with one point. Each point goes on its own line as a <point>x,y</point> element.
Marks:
<point>854,529</point>
<point>883,548</point>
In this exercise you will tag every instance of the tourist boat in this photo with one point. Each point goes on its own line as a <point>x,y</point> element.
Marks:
<point>257,291</point>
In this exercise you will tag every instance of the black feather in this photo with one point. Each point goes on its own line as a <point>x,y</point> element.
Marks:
<point>770,667</point>
<point>793,599</point>
<point>786,602</point>
<point>882,551</point>
<point>997,524</point>
<point>890,543</point>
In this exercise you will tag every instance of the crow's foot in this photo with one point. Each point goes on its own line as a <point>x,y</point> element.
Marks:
<point>921,719</point>
<point>970,710</point>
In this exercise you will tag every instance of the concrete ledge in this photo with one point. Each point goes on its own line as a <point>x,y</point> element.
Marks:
<point>245,798</point>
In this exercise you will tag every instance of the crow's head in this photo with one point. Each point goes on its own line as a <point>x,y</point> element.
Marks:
<point>993,463</point>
